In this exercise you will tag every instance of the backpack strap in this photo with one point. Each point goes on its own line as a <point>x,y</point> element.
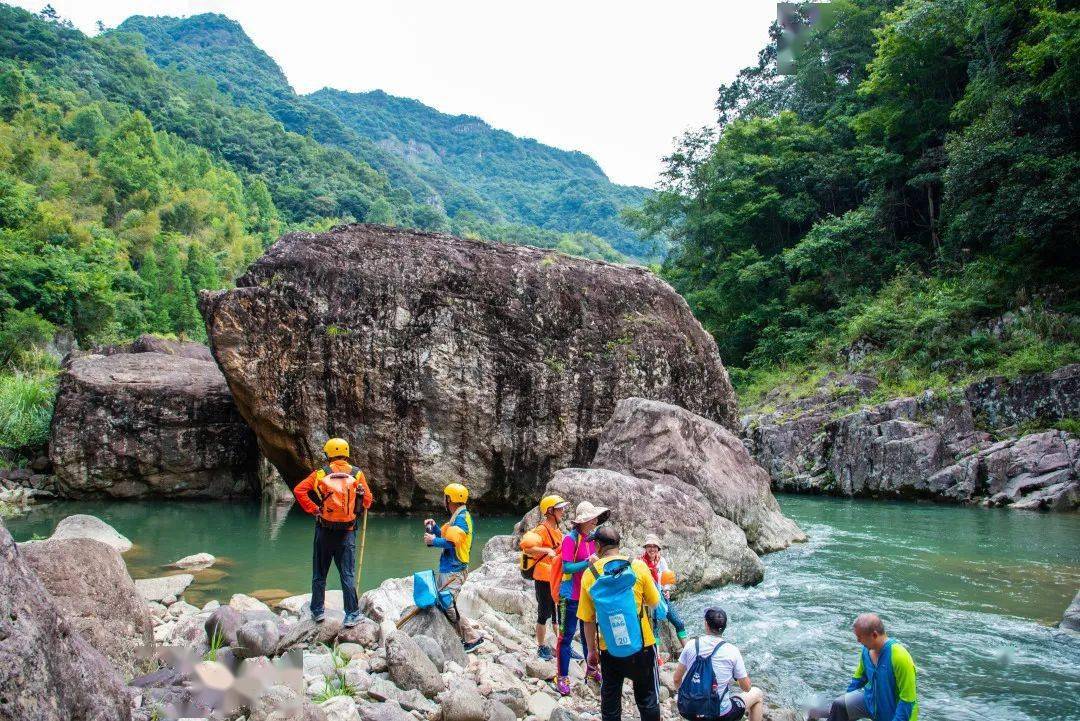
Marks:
<point>715,648</point>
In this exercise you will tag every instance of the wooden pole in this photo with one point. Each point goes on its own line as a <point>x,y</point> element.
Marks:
<point>360,559</point>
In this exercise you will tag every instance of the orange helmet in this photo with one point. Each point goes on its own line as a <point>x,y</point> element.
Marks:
<point>667,578</point>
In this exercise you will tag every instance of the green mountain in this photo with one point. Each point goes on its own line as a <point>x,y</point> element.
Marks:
<point>457,164</point>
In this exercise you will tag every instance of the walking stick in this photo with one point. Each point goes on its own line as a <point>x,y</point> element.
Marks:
<point>360,560</point>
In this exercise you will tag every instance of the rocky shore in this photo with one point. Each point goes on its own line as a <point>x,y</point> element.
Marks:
<point>992,442</point>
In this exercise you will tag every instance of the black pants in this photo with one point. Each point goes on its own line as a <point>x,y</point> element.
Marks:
<point>641,670</point>
<point>545,604</point>
<point>339,547</point>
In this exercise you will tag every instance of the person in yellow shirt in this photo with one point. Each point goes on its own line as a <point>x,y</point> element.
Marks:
<point>639,667</point>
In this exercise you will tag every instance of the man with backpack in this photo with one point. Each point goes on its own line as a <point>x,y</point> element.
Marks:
<point>883,687</point>
<point>333,494</point>
<point>617,595</point>
<point>538,548</point>
<point>705,671</point>
<point>455,538</point>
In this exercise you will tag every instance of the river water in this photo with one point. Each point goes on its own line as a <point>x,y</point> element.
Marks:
<point>972,592</point>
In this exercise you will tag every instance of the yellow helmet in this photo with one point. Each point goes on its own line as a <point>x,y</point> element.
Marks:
<point>457,493</point>
<point>336,447</point>
<point>552,501</point>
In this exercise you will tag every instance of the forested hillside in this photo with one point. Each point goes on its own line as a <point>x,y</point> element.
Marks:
<point>125,188</point>
<point>459,166</point>
<point>904,204</point>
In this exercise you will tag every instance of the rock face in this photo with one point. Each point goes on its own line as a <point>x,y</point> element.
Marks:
<point>48,672</point>
<point>703,548</point>
<point>131,425</point>
<point>965,446</point>
<point>1071,619</point>
<point>664,443</point>
<point>96,594</point>
<point>441,358</point>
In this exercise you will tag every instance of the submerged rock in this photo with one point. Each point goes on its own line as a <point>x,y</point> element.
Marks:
<point>149,424</point>
<point>1071,620</point>
<point>91,586</point>
<point>441,357</point>
<point>662,442</point>
<point>48,672</point>
<point>196,561</point>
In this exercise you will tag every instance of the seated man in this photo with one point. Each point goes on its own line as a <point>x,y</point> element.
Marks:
<point>883,687</point>
<point>727,664</point>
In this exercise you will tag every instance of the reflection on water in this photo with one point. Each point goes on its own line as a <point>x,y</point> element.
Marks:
<point>266,548</point>
<point>971,592</point>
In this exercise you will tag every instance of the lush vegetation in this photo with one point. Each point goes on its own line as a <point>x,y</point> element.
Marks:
<point>904,203</point>
<point>449,164</point>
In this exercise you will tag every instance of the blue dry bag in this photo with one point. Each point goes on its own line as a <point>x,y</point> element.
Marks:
<point>424,594</point>
<point>617,612</point>
<point>698,695</point>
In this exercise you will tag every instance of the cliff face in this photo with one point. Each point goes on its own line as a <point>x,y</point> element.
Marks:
<point>442,359</point>
<point>966,446</point>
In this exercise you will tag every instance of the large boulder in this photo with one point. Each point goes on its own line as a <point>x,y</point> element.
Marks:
<point>703,548</point>
<point>409,666</point>
<point>149,424</point>
<point>48,672</point>
<point>443,358</point>
<point>659,441</point>
<point>90,584</point>
<point>93,528</point>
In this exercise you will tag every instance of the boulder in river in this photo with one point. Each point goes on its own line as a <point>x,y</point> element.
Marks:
<point>1071,620</point>
<point>90,585</point>
<point>92,528</point>
<point>439,358</point>
<point>48,672</point>
<point>164,587</point>
<point>662,442</point>
<point>132,425</point>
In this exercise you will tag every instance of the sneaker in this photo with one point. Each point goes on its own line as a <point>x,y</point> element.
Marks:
<point>592,672</point>
<point>575,656</point>
<point>472,645</point>
<point>545,653</point>
<point>318,617</point>
<point>351,619</point>
<point>563,686</point>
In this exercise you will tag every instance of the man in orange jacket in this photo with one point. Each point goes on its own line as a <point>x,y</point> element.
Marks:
<point>334,494</point>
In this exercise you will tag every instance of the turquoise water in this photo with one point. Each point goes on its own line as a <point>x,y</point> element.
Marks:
<point>262,550</point>
<point>972,592</point>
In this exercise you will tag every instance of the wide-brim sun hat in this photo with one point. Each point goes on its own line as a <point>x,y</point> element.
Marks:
<point>653,540</point>
<point>586,511</point>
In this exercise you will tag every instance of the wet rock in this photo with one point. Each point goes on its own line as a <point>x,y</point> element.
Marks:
<point>433,624</point>
<point>96,594</point>
<point>196,561</point>
<point>409,667</point>
<point>257,638</point>
<point>48,672</point>
<point>84,526</point>
<point>452,357</point>
<point>224,622</point>
<point>149,424</point>
<point>703,548</point>
<point>661,442</point>
<point>164,588</point>
<point>1071,620</point>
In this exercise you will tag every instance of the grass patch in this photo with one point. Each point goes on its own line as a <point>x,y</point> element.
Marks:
<point>26,408</point>
<point>335,686</point>
<point>217,642</point>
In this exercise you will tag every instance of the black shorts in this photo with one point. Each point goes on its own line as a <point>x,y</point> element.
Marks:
<point>545,604</point>
<point>736,712</point>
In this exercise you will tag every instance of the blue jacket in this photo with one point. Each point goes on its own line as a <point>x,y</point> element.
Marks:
<point>455,540</point>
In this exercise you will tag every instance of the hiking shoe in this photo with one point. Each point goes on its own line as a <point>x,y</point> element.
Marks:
<point>545,653</point>
<point>351,619</point>
<point>594,673</point>
<point>575,656</point>
<point>563,686</point>
<point>318,617</point>
<point>472,645</point>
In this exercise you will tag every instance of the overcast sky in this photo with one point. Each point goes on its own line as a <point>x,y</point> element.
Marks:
<point>616,79</point>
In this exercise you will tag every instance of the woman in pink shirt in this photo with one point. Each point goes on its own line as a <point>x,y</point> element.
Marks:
<point>577,553</point>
